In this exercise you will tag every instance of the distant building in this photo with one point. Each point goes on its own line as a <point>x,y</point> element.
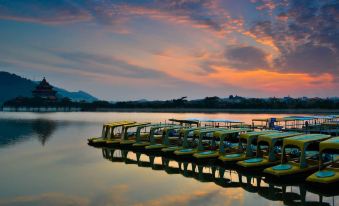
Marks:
<point>45,91</point>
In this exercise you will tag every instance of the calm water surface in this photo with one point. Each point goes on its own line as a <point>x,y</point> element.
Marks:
<point>45,160</point>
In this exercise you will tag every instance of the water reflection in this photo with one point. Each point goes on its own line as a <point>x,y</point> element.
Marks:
<point>286,193</point>
<point>15,131</point>
<point>66,171</point>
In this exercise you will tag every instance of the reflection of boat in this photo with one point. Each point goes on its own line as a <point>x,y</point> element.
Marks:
<point>328,174</point>
<point>303,165</point>
<point>112,155</point>
<point>169,168</point>
<point>261,161</point>
<point>289,193</point>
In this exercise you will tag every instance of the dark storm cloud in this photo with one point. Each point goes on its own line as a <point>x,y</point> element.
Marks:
<point>246,57</point>
<point>306,34</point>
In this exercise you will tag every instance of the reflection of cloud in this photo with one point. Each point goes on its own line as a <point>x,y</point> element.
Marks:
<point>193,198</point>
<point>208,194</point>
<point>46,199</point>
<point>116,195</point>
<point>121,195</point>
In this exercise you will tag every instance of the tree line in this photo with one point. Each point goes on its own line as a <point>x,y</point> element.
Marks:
<point>232,102</point>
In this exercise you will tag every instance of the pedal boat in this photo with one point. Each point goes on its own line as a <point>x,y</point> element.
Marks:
<point>166,138</point>
<point>304,165</point>
<point>155,139</point>
<point>261,161</point>
<point>221,135</point>
<point>108,133</point>
<point>240,153</point>
<point>184,133</point>
<point>116,138</point>
<point>142,141</point>
<point>128,138</point>
<point>328,172</point>
<point>187,152</point>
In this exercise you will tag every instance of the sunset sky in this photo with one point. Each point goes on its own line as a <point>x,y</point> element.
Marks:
<point>164,49</point>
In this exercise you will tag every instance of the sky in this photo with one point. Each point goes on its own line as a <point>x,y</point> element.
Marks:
<point>165,49</point>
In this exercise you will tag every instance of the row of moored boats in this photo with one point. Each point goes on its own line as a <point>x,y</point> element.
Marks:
<point>277,154</point>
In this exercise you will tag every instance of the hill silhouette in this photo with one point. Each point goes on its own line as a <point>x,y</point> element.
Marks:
<point>12,85</point>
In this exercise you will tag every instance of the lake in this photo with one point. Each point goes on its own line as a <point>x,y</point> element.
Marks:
<point>45,160</point>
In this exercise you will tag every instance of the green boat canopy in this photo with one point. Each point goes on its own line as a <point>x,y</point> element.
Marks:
<point>272,139</point>
<point>302,142</point>
<point>330,144</point>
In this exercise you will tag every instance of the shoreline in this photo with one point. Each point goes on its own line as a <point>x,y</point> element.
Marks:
<point>196,110</point>
<point>185,110</point>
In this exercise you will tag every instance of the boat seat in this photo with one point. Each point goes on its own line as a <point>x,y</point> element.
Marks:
<point>254,160</point>
<point>282,167</point>
<point>232,155</point>
<point>326,173</point>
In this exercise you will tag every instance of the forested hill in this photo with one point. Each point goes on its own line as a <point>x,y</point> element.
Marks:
<point>12,85</point>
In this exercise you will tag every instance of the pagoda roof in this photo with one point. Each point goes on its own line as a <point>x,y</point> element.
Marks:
<point>44,88</point>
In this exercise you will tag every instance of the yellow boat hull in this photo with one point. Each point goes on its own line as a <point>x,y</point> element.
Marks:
<point>97,140</point>
<point>141,144</point>
<point>155,146</point>
<point>127,142</point>
<point>113,141</point>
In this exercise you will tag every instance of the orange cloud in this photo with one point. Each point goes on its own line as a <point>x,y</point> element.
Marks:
<point>271,81</point>
<point>262,39</point>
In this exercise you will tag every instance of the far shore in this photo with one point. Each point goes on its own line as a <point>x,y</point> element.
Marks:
<point>206,110</point>
<point>199,110</point>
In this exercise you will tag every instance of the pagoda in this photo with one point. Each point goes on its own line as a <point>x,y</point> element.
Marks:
<point>45,91</point>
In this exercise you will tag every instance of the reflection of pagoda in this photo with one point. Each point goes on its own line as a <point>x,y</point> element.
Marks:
<point>45,91</point>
